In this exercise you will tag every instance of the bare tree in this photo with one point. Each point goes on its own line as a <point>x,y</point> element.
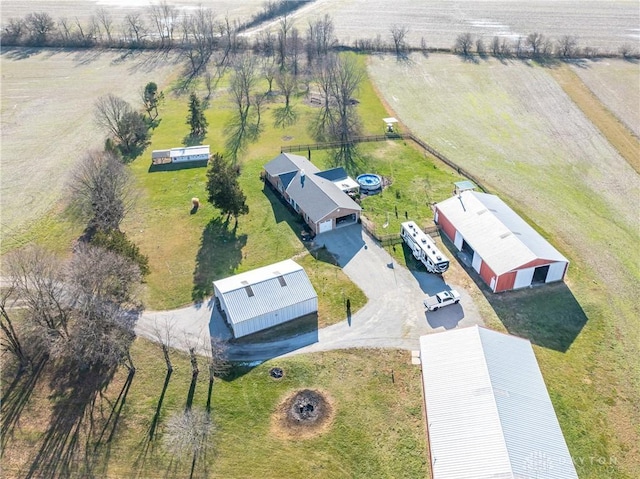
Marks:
<point>11,339</point>
<point>338,118</point>
<point>40,26</point>
<point>37,281</point>
<point>102,189</point>
<point>189,432</point>
<point>199,39</point>
<point>567,46</point>
<point>463,45</point>
<point>321,38</point>
<point>243,80</point>
<point>398,35</point>
<point>480,47</point>
<point>104,19</point>
<point>14,30</point>
<point>218,363</point>
<point>286,115</point>
<point>135,29</point>
<point>126,125</point>
<point>102,287</point>
<point>164,18</point>
<point>495,46</point>
<point>285,24</point>
<point>535,42</point>
<point>164,332</point>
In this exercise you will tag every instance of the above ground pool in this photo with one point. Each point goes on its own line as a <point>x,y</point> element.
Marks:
<point>369,182</point>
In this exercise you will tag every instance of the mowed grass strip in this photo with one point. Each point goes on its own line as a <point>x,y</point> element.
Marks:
<point>614,131</point>
<point>377,430</point>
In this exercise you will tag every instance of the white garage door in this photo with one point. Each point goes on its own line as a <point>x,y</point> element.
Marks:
<point>325,226</point>
<point>523,278</point>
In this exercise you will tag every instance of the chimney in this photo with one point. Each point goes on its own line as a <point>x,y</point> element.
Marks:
<point>302,177</point>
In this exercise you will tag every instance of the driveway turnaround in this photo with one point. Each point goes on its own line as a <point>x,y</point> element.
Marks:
<point>394,316</point>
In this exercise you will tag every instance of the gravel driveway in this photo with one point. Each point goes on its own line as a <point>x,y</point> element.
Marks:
<point>394,316</point>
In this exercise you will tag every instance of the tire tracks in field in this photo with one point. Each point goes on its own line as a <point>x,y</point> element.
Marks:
<point>616,132</point>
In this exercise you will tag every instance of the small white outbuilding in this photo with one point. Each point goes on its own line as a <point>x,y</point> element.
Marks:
<point>265,297</point>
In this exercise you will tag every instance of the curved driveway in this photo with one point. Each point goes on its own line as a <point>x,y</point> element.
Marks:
<point>393,317</point>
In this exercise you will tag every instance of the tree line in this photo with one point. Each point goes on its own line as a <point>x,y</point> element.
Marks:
<point>200,33</point>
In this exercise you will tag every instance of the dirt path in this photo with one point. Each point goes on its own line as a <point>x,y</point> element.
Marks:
<point>620,137</point>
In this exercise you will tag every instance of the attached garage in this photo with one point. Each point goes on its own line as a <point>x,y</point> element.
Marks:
<point>265,297</point>
<point>324,226</point>
<point>489,414</point>
<point>500,246</point>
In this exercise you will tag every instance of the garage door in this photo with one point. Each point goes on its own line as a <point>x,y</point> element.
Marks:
<point>325,226</point>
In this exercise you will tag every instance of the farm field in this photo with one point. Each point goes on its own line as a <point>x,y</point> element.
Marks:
<point>50,95</point>
<point>601,24</point>
<point>615,84</point>
<point>513,126</point>
<point>118,9</point>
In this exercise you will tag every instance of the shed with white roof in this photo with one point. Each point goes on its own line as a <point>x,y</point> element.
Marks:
<point>265,297</point>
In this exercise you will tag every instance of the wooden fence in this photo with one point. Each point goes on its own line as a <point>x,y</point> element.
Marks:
<point>391,136</point>
<point>389,239</point>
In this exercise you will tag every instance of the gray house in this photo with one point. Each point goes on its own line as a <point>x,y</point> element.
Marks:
<point>317,196</point>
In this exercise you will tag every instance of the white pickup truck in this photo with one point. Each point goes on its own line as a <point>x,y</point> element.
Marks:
<point>442,299</point>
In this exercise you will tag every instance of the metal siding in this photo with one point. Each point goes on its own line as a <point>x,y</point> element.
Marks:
<point>505,282</point>
<point>523,278</point>
<point>488,411</point>
<point>274,318</point>
<point>477,262</point>
<point>556,272</point>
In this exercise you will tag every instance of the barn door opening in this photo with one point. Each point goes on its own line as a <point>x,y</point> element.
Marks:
<point>540,274</point>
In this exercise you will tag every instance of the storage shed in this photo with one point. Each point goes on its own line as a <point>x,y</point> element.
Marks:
<point>489,413</point>
<point>500,246</point>
<point>265,297</point>
<point>181,154</point>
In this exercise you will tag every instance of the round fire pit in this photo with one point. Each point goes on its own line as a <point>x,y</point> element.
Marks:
<point>303,414</point>
<point>276,373</point>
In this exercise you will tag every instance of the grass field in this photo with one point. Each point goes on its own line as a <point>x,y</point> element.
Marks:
<point>513,126</point>
<point>50,96</point>
<point>377,430</point>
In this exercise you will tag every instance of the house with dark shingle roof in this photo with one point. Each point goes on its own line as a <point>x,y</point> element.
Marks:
<point>314,194</point>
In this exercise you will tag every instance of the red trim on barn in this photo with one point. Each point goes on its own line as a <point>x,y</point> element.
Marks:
<point>536,262</point>
<point>486,273</point>
<point>446,226</point>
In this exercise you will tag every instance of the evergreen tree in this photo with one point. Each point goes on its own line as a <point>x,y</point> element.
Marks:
<point>223,189</point>
<point>196,119</point>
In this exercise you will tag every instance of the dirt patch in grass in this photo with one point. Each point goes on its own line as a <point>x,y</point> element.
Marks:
<point>613,130</point>
<point>303,414</point>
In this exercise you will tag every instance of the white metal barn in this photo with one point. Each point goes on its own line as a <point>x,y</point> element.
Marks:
<point>265,297</point>
<point>489,413</point>
<point>504,250</point>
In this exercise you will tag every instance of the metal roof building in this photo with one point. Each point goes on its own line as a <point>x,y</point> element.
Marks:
<point>317,196</point>
<point>489,414</point>
<point>181,154</point>
<point>503,249</point>
<point>265,297</point>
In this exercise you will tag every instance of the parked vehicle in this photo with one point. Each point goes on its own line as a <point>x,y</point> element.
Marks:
<point>423,247</point>
<point>442,299</point>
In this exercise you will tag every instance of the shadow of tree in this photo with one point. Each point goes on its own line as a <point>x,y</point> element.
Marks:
<point>283,211</point>
<point>192,140</point>
<point>219,255</point>
<point>74,396</point>
<point>16,397</point>
<point>548,315</point>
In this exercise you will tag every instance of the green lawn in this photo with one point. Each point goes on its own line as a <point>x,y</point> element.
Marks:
<point>377,430</point>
